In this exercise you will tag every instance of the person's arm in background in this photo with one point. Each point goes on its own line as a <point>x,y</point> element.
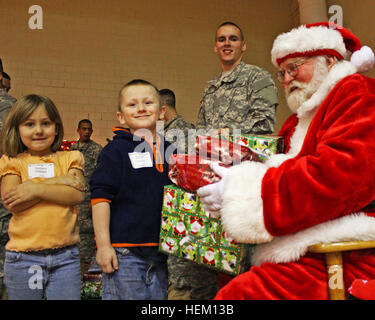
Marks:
<point>263,102</point>
<point>201,122</point>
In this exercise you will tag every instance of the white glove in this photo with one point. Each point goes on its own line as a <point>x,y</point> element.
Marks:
<point>211,196</point>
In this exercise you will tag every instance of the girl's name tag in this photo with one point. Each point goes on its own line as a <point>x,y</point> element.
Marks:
<point>41,170</point>
<point>140,160</point>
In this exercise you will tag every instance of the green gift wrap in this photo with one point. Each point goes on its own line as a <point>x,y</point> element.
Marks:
<point>265,144</point>
<point>187,231</point>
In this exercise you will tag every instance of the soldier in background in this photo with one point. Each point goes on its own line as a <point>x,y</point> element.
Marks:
<point>6,102</point>
<point>242,97</point>
<point>179,281</point>
<point>90,150</point>
<point>6,81</point>
<point>175,125</point>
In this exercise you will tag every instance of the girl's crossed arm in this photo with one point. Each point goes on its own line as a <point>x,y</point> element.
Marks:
<point>19,196</point>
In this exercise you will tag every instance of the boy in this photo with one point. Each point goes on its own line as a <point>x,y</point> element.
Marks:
<point>126,198</point>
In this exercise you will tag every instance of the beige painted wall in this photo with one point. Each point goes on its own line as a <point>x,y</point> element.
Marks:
<point>358,17</point>
<point>88,48</point>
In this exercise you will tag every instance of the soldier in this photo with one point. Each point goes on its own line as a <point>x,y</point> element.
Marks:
<point>90,150</point>
<point>242,97</point>
<point>6,81</point>
<point>6,102</point>
<point>175,125</point>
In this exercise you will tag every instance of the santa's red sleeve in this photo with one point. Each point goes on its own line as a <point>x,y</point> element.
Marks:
<point>332,176</point>
<point>362,289</point>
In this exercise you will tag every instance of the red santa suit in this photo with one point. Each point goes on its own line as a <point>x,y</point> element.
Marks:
<point>316,192</point>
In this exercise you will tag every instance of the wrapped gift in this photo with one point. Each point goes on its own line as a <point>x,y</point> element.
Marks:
<point>191,172</point>
<point>263,144</point>
<point>189,232</point>
<point>91,288</point>
<point>226,151</point>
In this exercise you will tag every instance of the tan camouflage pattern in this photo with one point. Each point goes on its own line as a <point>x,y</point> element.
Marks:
<point>6,102</point>
<point>245,99</point>
<point>4,224</point>
<point>86,245</point>
<point>190,281</point>
<point>175,127</point>
<point>182,286</point>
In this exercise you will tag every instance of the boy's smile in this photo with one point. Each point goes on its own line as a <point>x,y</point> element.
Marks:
<point>140,108</point>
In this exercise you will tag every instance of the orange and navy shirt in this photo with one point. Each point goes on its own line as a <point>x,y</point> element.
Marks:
<point>130,175</point>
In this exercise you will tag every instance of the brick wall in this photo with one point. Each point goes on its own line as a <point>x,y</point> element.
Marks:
<point>88,49</point>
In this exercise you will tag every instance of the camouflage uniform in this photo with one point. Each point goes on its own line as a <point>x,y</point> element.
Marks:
<point>174,128</point>
<point>6,102</point>
<point>181,285</point>
<point>244,99</point>
<point>90,151</point>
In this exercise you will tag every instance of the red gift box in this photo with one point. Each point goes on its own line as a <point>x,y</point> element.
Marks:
<point>223,150</point>
<point>191,172</point>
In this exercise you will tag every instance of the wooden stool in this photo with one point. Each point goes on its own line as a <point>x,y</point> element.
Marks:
<point>333,254</point>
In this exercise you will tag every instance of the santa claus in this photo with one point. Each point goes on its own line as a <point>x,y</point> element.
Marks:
<point>321,189</point>
<point>209,257</point>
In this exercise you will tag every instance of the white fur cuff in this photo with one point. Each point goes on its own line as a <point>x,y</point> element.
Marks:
<point>242,210</point>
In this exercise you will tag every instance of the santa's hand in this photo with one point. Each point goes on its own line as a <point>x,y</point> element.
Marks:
<point>211,195</point>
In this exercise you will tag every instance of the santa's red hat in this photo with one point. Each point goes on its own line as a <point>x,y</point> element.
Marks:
<point>323,38</point>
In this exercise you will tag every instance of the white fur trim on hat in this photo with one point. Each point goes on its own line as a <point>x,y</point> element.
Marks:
<point>303,39</point>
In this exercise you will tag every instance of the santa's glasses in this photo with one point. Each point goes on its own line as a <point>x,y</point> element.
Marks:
<point>291,69</point>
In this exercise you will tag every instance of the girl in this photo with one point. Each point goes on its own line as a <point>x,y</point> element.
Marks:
<point>41,187</point>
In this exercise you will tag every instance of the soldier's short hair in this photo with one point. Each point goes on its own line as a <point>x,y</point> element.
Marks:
<point>138,82</point>
<point>1,66</point>
<point>19,113</point>
<point>230,23</point>
<point>6,76</point>
<point>168,98</point>
<point>84,121</point>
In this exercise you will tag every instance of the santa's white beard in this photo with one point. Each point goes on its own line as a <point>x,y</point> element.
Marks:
<point>296,98</point>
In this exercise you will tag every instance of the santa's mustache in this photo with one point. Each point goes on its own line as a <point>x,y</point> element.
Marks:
<point>293,86</point>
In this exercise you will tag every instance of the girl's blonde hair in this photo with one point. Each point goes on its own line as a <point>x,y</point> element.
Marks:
<point>20,112</point>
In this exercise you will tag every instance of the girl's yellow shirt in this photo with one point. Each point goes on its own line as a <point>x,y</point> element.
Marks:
<point>45,225</point>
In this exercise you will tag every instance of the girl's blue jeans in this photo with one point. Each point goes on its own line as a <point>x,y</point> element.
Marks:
<point>135,279</point>
<point>48,274</point>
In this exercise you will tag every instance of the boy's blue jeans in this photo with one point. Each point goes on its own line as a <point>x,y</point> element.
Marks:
<point>135,279</point>
<point>43,275</point>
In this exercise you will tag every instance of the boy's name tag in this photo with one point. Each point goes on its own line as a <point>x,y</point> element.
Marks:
<point>41,170</point>
<point>140,160</point>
